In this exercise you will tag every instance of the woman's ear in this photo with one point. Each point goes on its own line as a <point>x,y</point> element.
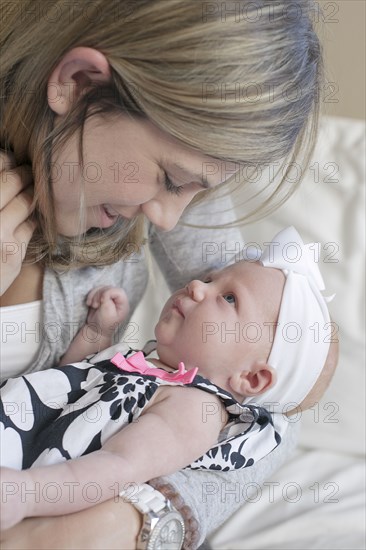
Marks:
<point>255,381</point>
<point>74,74</point>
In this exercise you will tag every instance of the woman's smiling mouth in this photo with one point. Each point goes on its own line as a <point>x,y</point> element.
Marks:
<point>108,216</point>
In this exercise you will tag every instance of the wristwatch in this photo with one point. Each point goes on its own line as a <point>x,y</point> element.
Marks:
<point>163,525</point>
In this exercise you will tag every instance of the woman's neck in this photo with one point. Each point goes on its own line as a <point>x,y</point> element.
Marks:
<point>26,288</point>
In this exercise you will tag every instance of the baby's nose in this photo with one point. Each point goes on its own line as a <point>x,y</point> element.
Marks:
<point>196,290</point>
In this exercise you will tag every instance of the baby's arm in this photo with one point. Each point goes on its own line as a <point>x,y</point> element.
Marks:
<point>179,427</point>
<point>108,307</point>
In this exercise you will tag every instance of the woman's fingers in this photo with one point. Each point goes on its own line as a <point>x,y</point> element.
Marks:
<point>12,252</point>
<point>23,234</point>
<point>14,214</point>
<point>16,228</point>
<point>7,160</point>
<point>13,182</point>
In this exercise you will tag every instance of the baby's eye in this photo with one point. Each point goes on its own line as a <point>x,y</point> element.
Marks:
<point>230,298</point>
<point>208,280</point>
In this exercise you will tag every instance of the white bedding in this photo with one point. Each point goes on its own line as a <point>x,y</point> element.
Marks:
<point>316,501</point>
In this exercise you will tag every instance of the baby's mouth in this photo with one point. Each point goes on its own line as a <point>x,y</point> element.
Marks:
<point>177,305</point>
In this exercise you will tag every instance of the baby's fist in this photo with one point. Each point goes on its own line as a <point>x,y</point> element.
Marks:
<point>108,307</point>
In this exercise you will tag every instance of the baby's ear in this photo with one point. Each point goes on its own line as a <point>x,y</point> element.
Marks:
<point>255,381</point>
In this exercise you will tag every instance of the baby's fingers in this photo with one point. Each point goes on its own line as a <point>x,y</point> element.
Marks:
<point>116,294</point>
<point>93,298</point>
<point>97,295</point>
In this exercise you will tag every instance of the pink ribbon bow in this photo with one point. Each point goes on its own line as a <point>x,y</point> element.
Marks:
<point>137,363</point>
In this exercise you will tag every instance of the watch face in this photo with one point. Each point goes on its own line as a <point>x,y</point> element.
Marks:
<point>168,534</point>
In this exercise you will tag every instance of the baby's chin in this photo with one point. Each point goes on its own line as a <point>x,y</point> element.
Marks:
<point>165,357</point>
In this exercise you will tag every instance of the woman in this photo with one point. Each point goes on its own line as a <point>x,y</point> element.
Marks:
<point>127,113</point>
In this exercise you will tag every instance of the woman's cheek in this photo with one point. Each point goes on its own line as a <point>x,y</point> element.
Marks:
<point>67,224</point>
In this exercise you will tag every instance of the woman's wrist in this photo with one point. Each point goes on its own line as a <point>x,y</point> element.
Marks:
<point>191,537</point>
<point>111,524</point>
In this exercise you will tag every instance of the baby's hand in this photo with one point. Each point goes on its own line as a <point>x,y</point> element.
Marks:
<point>13,505</point>
<point>108,307</point>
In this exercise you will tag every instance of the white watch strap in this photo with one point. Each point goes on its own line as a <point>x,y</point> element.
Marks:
<point>144,497</point>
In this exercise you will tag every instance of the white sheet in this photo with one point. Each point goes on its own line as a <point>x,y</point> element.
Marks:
<point>315,501</point>
<point>329,464</point>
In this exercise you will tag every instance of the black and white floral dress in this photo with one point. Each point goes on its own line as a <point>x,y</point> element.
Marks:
<point>64,412</point>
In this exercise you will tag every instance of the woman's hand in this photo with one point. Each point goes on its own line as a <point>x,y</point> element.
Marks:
<point>12,506</point>
<point>16,229</point>
<point>110,525</point>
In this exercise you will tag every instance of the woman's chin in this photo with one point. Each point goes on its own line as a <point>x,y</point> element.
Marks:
<point>69,234</point>
<point>70,230</point>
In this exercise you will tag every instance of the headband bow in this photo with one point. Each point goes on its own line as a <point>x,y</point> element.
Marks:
<point>279,254</point>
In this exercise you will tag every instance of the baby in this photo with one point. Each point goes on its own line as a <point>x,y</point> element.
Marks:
<point>245,344</point>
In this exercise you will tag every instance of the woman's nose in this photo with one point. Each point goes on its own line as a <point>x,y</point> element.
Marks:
<point>128,212</point>
<point>196,290</point>
<point>165,210</point>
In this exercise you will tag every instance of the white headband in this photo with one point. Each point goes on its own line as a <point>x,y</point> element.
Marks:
<point>303,332</point>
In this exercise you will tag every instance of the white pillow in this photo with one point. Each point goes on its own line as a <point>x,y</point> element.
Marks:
<point>329,208</point>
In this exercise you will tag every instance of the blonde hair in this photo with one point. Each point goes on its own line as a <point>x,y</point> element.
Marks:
<point>176,64</point>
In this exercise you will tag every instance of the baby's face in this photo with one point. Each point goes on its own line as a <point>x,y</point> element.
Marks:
<point>222,324</point>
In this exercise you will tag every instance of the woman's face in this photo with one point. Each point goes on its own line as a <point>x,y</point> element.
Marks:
<point>126,162</point>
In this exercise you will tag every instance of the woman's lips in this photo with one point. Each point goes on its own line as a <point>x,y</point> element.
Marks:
<point>111,212</point>
<point>108,216</point>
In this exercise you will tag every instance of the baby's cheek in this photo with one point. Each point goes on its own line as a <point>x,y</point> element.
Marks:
<point>163,331</point>
<point>165,309</point>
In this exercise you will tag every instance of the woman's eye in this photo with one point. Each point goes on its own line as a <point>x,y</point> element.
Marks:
<point>230,298</point>
<point>171,188</point>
